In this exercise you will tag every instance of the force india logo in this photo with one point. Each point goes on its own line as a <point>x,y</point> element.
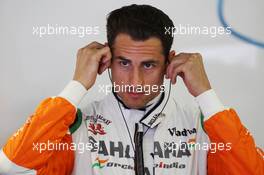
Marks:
<point>96,124</point>
<point>117,149</point>
<point>101,163</point>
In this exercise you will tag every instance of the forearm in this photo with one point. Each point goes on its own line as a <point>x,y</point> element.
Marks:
<point>223,126</point>
<point>48,124</point>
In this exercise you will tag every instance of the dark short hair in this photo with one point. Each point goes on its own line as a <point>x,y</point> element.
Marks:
<point>140,22</point>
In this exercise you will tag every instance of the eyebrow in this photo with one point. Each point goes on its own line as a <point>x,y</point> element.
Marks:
<point>150,61</point>
<point>123,59</point>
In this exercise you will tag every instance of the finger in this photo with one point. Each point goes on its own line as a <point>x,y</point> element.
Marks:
<point>103,55</point>
<point>175,62</point>
<point>106,53</point>
<point>104,66</point>
<point>181,58</point>
<point>173,65</point>
<point>184,54</point>
<point>95,45</point>
<point>177,71</point>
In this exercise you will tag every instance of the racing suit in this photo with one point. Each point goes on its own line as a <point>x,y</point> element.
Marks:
<point>59,138</point>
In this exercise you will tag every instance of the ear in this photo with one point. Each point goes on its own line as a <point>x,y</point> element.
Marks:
<point>171,55</point>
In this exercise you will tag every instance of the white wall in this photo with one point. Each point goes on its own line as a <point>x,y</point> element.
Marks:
<point>33,68</point>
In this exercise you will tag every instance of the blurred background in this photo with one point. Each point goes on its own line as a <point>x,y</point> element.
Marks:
<point>33,68</point>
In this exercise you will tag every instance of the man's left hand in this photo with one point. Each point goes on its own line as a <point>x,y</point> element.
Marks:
<point>189,66</point>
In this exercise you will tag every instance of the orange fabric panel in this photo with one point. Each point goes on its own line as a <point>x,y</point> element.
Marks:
<point>49,123</point>
<point>243,158</point>
<point>61,162</point>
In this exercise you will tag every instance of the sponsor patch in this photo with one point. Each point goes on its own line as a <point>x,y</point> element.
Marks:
<point>96,124</point>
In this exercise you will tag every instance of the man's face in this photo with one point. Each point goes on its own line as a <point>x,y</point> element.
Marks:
<point>140,64</point>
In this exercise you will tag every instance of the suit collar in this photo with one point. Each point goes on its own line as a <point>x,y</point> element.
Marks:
<point>154,111</point>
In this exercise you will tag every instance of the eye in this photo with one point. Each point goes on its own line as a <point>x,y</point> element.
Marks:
<point>148,65</point>
<point>124,63</point>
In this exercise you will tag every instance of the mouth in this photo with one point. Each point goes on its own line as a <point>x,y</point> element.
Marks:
<point>135,94</point>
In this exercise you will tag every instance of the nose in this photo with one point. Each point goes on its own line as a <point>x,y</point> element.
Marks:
<point>136,77</point>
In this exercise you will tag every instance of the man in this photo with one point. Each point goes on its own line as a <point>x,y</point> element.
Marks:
<point>132,131</point>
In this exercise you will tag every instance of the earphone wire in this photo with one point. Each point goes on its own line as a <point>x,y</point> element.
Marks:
<point>130,137</point>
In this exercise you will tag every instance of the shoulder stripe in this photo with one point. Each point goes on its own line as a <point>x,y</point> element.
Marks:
<point>202,121</point>
<point>77,122</point>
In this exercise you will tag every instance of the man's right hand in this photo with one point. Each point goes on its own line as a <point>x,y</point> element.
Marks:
<point>91,59</point>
